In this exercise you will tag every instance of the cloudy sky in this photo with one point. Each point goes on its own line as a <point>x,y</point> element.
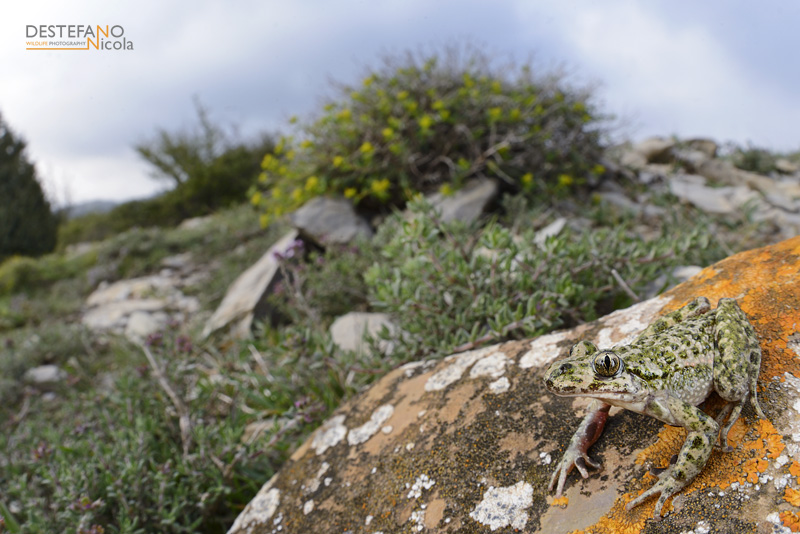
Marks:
<point>727,69</point>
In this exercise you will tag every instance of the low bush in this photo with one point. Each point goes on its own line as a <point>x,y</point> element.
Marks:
<point>427,123</point>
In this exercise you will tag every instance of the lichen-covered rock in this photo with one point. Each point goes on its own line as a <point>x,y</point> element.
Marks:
<point>468,444</point>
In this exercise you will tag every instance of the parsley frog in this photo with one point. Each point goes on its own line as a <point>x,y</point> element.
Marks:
<point>670,368</point>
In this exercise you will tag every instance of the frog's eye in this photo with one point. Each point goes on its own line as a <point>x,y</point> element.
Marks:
<point>607,364</point>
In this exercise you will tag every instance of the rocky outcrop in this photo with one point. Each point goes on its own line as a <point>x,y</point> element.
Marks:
<point>466,204</point>
<point>330,221</point>
<point>348,331</point>
<point>468,444</point>
<point>239,305</point>
<point>138,307</point>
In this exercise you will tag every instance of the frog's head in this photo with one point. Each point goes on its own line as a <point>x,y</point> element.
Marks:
<point>599,374</point>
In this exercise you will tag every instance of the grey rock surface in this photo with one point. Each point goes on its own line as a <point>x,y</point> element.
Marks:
<point>238,307</point>
<point>348,331</point>
<point>466,204</point>
<point>327,221</point>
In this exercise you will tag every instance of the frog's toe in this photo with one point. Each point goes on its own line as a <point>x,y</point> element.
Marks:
<point>583,461</point>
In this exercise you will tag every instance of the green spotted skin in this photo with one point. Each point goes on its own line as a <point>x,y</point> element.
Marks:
<point>670,368</point>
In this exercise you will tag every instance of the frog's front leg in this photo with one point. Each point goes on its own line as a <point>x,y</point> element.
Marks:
<point>703,433</point>
<point>576,454</point>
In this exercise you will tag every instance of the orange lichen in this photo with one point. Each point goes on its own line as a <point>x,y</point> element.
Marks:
<point>790,520</point>
<point>562,501</point>
<point>794,469</point>
<point>792,496</point>
<point>620,521</point>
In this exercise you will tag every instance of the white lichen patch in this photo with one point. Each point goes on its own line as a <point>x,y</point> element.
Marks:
<point>702,527</point>
<point>778,528</point>
<point>501,385</point>
<point>545,458</point>
<point>410,368</point>
<point>622,326</point>
<point>260,510</point>
<point>544,349</point>
<point>506,506</point>
<point>423,482</point>
<point>329,434</point>
<point>308,507</point>
<point>370,428</point>
<point>453,372</point>
<point>418,519</point>
<point>792,427</point>
<point>387,429</point>
<point>493,365</point>
<point>313,485</point>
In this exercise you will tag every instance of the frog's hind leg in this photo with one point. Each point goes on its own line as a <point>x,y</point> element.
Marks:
<point>698,306</point>
<point>736,364</point>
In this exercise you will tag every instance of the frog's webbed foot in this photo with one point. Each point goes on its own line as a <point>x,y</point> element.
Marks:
<point>572,458</point>
<point>667,485</point>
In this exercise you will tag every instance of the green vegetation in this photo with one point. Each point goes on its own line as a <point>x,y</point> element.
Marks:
<point>27,222</point>
<point>421,124</point>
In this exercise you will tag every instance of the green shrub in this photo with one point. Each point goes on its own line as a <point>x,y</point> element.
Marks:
<point>27,224</point>
<point>448,285</point>
<point>431,123</point>
<point>20,273</point>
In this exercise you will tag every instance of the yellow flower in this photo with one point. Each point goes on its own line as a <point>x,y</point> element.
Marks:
<point>311,183</point>
<point>495,113</point>
<point>350,192</point>
<point>282,169</point>
<point>446,190</point>
<point>565,180</point>
<point>293,119</point>
<point>290,155</point>
<point>329,107</point>
<point>368,81</point>
<point>387,133</point>
<point>598,169</point>
<point>344,114</point>
<point>263,220</point>
<point>366,148</point>
<point>337,161</point>
<point>514,114</point>
<point>527,179</point>
<point>266,162</point>
<point>402,95</point>
<point>256,198</point>
<point>277,193</point>
<point>355,95</point>
<point>496,86</point>
<point>262,177</point>
<point>297,195</point>
<point>438,105</point>
<point>306,143</point>
<point>444,114</point>
<point>425,122</point>
<point>279,147</point>
<point>379,187</point>
<point>411,106</point>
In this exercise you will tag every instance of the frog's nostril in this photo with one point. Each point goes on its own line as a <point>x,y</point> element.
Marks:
<point>565,367</point>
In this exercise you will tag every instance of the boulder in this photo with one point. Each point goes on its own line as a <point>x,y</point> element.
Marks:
<point>649,151</point>
<point>706,146</point>
<point>138,307</point>
<point>238,307</point>
<point>45,375</point>
<point>466,204</point>
<point>348,331</point>
<point>724,200</point>
<point>785,166</point>
<point>330,221</point>
<point>468,444</point>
